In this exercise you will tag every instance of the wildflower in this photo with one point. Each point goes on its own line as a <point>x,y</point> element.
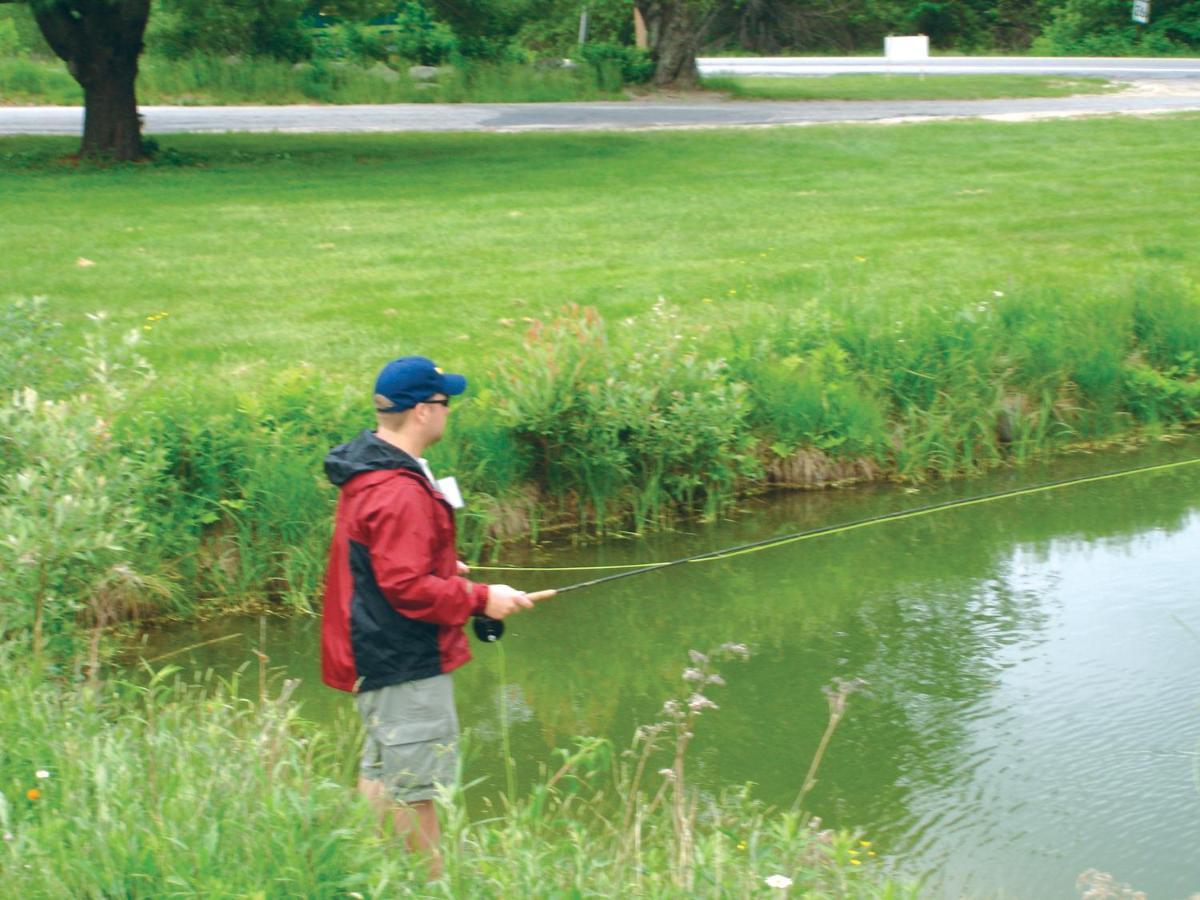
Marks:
<point>690,674</point>
<point>668,774</point>
<point>864,843</point>
<point>736,650</point>
<point>782,882</point>
<point>871,853</point>
<point>997,293</point>
<point>33,793</point>
<point>856,862</point>
<point>741,845</point>
<point>861,258</point>
<point>698,703</point>
<point>716,679</point>
<point>84,262</point>
<point>42,774</point>
<point>8,835</point>
<point>697,657</point>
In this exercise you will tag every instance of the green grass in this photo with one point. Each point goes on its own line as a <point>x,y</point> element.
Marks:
<point>337,252</point>
<point>904,87</point>
<point>164,785</point>
<point>208,81</point>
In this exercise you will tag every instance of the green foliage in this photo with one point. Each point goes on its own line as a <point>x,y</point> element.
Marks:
<point>617,63</point>
<point>419,37</point>
<point>1104,28</point>
<point>70,515</point>
<point>272,29</point>
<point>648,423</point>
<point>19,33</point>
<point>555,30</point>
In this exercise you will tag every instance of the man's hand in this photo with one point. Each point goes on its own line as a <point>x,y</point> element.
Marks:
<point>461,568</point>
<point>503,601</point>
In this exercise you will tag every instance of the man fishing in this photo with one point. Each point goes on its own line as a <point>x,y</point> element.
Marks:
<point>396,600</point>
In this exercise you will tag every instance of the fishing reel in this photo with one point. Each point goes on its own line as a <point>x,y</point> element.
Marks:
<point>487,629</point>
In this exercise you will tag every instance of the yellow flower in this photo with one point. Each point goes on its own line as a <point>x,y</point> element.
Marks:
<point>870,853</point>
<point>856,862</point>
<point>864,843</point>
<point>741,845</point>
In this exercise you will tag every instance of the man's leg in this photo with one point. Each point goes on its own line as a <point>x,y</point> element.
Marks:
<point>418,824</point>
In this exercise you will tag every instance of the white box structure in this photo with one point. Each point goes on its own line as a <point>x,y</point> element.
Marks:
<point>909,46</point>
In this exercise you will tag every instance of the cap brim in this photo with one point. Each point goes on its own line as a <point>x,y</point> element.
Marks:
<point>453,385</point>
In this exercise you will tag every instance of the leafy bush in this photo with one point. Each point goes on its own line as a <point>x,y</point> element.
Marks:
<point>418,36</point>
<point>70,515</point>
<point>273,28</point>
<point>650,424</point>
<point>1104,28</point>
<point>633,64</point>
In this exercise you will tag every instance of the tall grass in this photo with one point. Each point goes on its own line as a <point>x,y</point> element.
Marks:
<point>170,785</point>
<point>210,80</point>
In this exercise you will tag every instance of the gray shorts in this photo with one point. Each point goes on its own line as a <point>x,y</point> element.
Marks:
<point>412,737</point>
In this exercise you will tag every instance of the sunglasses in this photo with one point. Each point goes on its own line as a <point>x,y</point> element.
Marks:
<point>444,401</point>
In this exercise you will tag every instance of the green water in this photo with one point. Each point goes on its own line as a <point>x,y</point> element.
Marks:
<point>1034,670</point>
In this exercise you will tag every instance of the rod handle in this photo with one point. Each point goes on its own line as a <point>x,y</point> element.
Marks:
<point>538,596</point>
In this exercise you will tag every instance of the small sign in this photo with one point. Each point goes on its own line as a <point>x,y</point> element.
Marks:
<point>1141,12</point>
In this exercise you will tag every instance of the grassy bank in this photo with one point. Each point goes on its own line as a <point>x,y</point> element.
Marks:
<point>178,785</point>
<point>840,303</point>
<point>903,87</point>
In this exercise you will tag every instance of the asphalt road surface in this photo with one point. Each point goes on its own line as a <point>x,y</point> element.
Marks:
<point>1169,91</point>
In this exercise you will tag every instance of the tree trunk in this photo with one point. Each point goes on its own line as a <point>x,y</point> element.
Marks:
<point>111,124</point>
<point>100,41</point>
<point>674,28</point>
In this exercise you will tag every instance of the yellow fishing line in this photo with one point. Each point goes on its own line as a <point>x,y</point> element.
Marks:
<point>852,526</point>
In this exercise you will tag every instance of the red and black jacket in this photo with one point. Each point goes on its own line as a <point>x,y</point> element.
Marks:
<point>394,607</point>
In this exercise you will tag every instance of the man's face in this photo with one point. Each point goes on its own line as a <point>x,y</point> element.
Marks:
<point>437,410</point>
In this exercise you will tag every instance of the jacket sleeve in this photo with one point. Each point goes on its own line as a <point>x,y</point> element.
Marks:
<point>403,555</point>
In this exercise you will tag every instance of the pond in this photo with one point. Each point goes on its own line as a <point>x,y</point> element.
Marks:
<point>1033,707</point>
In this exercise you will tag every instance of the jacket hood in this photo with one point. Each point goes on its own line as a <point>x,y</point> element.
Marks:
<point>366,453</point>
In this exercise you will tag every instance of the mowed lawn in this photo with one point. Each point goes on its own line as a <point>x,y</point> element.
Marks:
<point>341,251</point>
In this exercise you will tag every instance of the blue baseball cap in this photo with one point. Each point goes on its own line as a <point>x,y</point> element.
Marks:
<point>409,380</point>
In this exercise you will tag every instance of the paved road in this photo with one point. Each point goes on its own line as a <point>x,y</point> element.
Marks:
<point>512,117</point>
<point>1105,67</point>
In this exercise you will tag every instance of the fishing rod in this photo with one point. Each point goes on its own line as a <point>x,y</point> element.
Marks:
<point>490,630</point>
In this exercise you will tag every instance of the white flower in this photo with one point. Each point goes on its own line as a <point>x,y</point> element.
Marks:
<point>779,881</point>
<point>698,702</point>
<point>42,773</point>
<point>693,675</point>
<point>997,293</point>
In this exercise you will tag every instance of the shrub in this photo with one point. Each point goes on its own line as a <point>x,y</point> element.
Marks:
<point>632,64</point>
<point>70,515</point>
